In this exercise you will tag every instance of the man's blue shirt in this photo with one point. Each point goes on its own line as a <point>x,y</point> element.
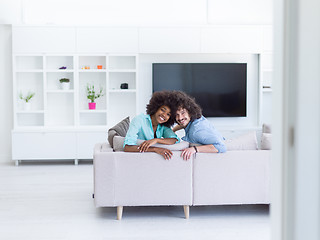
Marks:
<point>201,131</point>
<point>141,128</point>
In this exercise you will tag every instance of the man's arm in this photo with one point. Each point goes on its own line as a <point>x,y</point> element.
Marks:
<point>177,128</point>
<point>188,152</point>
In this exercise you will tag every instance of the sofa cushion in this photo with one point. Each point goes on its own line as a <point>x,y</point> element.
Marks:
<point>266,141</point>
<point>266,128</point>
<point>118,144</point>
<point>247,141</point>
<point>120,129</point>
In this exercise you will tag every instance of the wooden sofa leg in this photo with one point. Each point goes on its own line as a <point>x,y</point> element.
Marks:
<point>186,211</point>
<point>119,212</point>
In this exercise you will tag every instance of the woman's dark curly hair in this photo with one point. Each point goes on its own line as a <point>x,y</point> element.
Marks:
<point>183,100</point>
<point>162,98</point>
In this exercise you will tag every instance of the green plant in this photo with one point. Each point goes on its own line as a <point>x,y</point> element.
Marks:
<point>92,95</point>
<point>28,97</point>
<point>66,80</point>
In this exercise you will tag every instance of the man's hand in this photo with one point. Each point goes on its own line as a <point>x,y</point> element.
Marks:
<point>187,153</point>
<point>143,147</point>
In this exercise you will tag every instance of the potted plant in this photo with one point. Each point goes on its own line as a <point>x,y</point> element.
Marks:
<point>92,95</point>
<point>26,100</point>
<point>65,83</point>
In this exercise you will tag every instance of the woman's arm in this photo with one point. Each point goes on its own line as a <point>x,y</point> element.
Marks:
<point>148,143</point>
<point>166,153</point>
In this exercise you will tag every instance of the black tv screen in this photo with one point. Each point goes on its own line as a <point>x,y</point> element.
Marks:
<point>219,88</point>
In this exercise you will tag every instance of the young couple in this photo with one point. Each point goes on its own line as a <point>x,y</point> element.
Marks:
<point>164,109</point>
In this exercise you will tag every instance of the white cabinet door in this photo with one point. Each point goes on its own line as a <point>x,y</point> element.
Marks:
<point>238,39</point>
<point>104,39</point>
<point>43,145</point>
<point>86,142</point>
<point>43,39</point>
<point>169,40</point>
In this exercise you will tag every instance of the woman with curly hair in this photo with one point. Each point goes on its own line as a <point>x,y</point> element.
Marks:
<point>153,127</point>
<point>197,128</point>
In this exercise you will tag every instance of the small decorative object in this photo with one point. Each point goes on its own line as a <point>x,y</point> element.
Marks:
<point>63,67</point>
<point>99,66</point>
<point>26,99</point>
<point>86,67</point>
<point>92,95</point>
<point>65,83</point>
<point>124,86</point>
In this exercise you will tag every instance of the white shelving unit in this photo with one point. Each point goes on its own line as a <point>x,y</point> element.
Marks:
<point>66,111</point>
<point>266,76</point>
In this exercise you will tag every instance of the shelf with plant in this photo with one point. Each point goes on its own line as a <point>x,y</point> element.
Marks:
<point>27,99</point>
<point>65,83</point>
<point>93,94</point>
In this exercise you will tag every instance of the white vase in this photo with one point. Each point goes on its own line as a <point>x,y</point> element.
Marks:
<point>27,106</point>
<point>65,85</point>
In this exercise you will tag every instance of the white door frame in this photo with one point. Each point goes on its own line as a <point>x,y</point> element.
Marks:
<point>295,209</point>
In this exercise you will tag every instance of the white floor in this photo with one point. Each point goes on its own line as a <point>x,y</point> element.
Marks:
<point>54,201</point>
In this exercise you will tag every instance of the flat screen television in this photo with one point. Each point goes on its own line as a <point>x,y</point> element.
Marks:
<point>219,88</point>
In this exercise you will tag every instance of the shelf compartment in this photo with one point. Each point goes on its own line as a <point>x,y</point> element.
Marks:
<point>92,62</point>
<point>267,77</point>
<point>29,63</point>
<point>30,119</point>
<point>117,78</point>
<point>30,82</point>
<point>123,91</point>
<point>92,70</point>
<point>60,109</point>
<point>30,111</point>
<point>93,118</point>
<point>267,108</point>
<point>53,78</point>
<point>60,91</point>
<point>93,111</point>
<point>122,62</point>
<point>269,90</point>
<point>55,62</point>
<point>120,106</point>
<point>98,80</point>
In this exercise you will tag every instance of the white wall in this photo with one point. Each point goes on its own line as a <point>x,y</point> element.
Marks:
<point>6,113</point>
<point>138,12</point>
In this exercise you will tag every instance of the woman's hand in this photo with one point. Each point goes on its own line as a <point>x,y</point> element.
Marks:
<point>187,153</point>
<point>143,147</point>
<point>166,153</point>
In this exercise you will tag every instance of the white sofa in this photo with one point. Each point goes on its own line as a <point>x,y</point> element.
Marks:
<point>146,179</point>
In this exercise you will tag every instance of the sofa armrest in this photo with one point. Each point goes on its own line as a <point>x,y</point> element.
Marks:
<point>104,177</point>
<point>102,147</point>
